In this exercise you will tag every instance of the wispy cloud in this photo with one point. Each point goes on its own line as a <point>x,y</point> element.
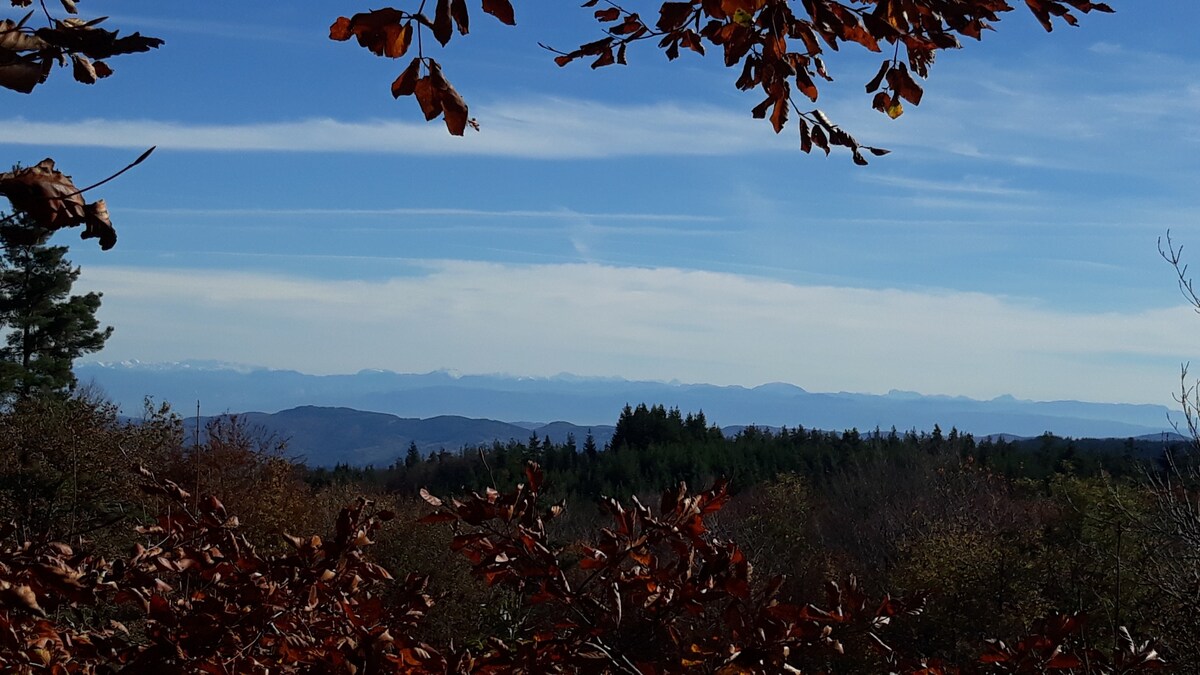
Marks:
<point>967,185</point>
<point>256,32</point>
<point>1107,48</point>
<point>434,212</point>
<point>984,113</point>
<point>659,323</point>
<point>1029,113</point>
<point>545,128</point>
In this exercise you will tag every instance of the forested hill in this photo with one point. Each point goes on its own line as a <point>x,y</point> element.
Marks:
<point>586,401</point>
<point>326,437</point>
<point>651,447</point>
<point>321,436</point>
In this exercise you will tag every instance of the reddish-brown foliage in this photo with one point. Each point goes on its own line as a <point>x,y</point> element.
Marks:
<point>653,593</point>
<point>778,46</point>
<point>28,54</point>
<point>207,601</point>
<point>51,200</point>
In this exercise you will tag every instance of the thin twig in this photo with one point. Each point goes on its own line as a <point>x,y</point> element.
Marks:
<point>141,158</point>
<point>483,458</point>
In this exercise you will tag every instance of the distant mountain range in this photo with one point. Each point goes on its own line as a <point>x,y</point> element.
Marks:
<point>441,397</point>
<point>328,436</point>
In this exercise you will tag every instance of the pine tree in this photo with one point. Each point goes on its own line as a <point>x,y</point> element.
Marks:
<point>413,456</point>
<point>589,446</point>
<point>47,328</point>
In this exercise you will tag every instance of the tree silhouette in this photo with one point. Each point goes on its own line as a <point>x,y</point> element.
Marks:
<point>47,327</point>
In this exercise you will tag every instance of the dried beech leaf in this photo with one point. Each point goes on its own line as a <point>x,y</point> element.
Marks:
<point>15,40</point>
<point>672,15</point>
<point>84,71</point>
<point>24,76</point>
<point>428,99</point>
<point>53,201</point>
<point>458,12</point>
<point>501,9</point>
<point>406,84</point>
<point>454,110</point>
<point>77,37</point>
<point>453,107</point>
<point>98,225</point>
<point>433,501</point>
<point>385,32</point>
<point>443,26</point>
<point>878,79</point>
<point>20,597</point>
<point>341,29</point>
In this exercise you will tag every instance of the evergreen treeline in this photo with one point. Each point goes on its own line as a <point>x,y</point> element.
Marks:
<point>653,447</point>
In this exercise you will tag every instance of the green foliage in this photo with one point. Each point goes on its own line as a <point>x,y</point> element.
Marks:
<point>653,447</point>
<point>47,328</point>
<point>64,465</point>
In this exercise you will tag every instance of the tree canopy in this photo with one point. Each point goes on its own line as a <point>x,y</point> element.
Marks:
<point>47,328</point>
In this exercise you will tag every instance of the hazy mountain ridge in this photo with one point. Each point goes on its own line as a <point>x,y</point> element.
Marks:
<point>597,402</point>
<point>324,436</point>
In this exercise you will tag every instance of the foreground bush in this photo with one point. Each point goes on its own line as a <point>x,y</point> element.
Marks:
<point>652,593</point>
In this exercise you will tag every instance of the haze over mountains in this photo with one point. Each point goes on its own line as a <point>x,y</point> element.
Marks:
<point>525,403</point>
<point>327,436</point>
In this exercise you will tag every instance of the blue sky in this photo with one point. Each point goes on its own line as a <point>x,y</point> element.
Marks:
<point>636,221</point>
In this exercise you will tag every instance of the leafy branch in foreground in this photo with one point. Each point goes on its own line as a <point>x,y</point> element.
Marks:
<point>28,53</point>
<point>778,46</point>
<point>653,593</point>
<point>49,197</point>
<point>204,600</point>
<point>390,32</point>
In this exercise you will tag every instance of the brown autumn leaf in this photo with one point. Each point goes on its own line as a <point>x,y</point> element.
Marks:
<point>20,597</point>
<point>443,26</point>
<point>406,83</point>
<point>84,71</point>
<point>458,12</point>
<point>501,9</point>
<point>340,30</point>
<point>607,58</point>
<point>433,501</point>
<point>53,201</point>
<point>903,84</point>
<point>672,15</point>
<point>23,76</point>
<point>385,32</point>
<point>427,98</point>
<point>14,39</point>
<point>779,113</point>
<point>454,108</point>
<point>28,55</point>
<point>878,79</point>
<point>75,36</point>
